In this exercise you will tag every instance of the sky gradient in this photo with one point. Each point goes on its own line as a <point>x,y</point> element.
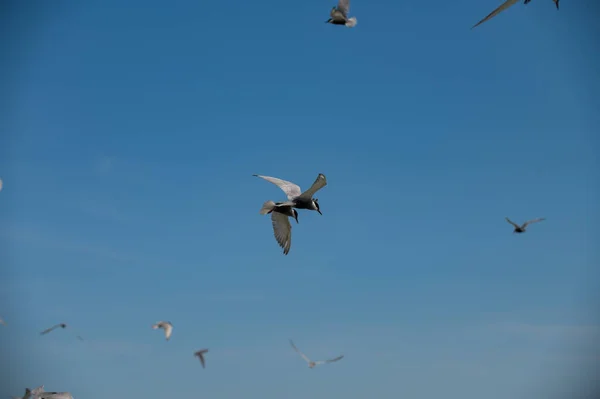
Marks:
<point>130,133</point>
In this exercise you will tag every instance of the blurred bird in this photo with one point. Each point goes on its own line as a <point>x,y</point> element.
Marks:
<point>297,198</point>
<point>312,364</point>
<point>503,7</point>
<point>521,228</point>
<point>339,15</point>
<point>166,325</point>
<point>282,229</point>
<point>2,321</point>
<point>200,355</point>
<point>46,331</point>
<point>54,395</point>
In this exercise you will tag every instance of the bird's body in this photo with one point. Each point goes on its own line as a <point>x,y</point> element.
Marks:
<point>312,364</point>
<point>522,228</point>
<point>339,15</point>
<point>46,331</point>
<point>200,355</point>
<point>297,198</point>
<point>503,7</point>
<point>282,228</point>
<point>165,325</point>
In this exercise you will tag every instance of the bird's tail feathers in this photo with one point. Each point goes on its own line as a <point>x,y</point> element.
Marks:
<point>267,207</point>
<point>351,23</point>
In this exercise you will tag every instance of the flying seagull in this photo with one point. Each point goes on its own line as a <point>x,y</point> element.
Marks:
<point>503,7</point>
<point>167,326</point>
<point>297,198</point>
<point>312,364</point>
<point>282,229</point>
<point>46,331</point>
<point>339,15</point>
<point>523,227</point>
<point>200,355</point>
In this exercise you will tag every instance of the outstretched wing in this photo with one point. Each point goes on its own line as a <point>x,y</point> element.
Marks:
<point>46,331</point>
<point>317,185</point>
<point>330,360</point>
<point>200,355</point>
<point>290,189</point>
<point>532,221</point>
<point>344,7</point>
<point>513,223</point>
<point>301,354</point>
<point>497,11</point>
<point>168,330</point>
<point>282,230</point>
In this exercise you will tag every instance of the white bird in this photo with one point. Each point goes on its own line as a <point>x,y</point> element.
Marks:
<point>200,355</point>
<point>312,364</point>
<point>165,325</point>
<point>46,331</point>
<point>297,198</point>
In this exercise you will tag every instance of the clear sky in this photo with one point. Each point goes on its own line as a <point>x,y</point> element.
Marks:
<point>129,135</point>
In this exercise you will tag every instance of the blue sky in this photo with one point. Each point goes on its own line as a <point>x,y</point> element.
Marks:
<point>130,136</point>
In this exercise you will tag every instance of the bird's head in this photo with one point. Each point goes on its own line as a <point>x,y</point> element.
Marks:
<point>316,205</point>
<point>295,212</point>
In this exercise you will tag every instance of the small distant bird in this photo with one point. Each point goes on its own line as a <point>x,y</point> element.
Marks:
<point>339,15</point>
<point>167,326</point>
<point>46,331</point>
<point>503,7</point>
<point>297,198</point>
<point>200,355</point>
<point>521,228</point>
<point>2,321</point>
<point>312,364</point>
<point>54,395</point>
<point>1,184</point>
<point>282,229</point>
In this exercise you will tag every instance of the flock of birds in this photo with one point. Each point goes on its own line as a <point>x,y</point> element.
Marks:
<point>280,213</point>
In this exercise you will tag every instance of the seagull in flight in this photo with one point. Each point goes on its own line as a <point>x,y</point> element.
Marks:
<point>200,355</point>
<point>312,364</point>
<point>165,325</point>
<point>503,7</point>
<point>523,227</point>
<point>297,198</point>
<point>339,15</point>
<point>46,331</point>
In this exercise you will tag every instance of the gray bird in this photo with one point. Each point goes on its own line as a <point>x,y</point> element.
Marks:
<point>200,355</point>
<point>523,227</point>
<point>339,15</point>
<point>46,331</point>
<point>503,7</point>
<point>282,228</point>
<point>312,364</point>
<point>297,198</point>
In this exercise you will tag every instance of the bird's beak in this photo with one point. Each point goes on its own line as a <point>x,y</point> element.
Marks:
<point>318,210</point>
<point>327,21</point>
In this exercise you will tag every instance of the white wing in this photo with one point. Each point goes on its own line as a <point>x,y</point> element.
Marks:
<point>319,183</point>
<point>290,189</point>
<point>282,230</point>
<point>168,330</point>
<point>37,390</point>
<point>330,360</point>
<point>497,11</point>
<point>301,354</point>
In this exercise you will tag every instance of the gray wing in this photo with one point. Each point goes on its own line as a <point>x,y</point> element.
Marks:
<point>317,185</point>
<point>497,11</point>
<point>532,221</point>
<point>344,7</point>
<point>46,331</point>
<point>37,390</point>
<point>55,395</point>
<point>290,189</point>
<point>330,360</point>
<point>298,350</point>
<point>282,230</point>
<point>513,223</point>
